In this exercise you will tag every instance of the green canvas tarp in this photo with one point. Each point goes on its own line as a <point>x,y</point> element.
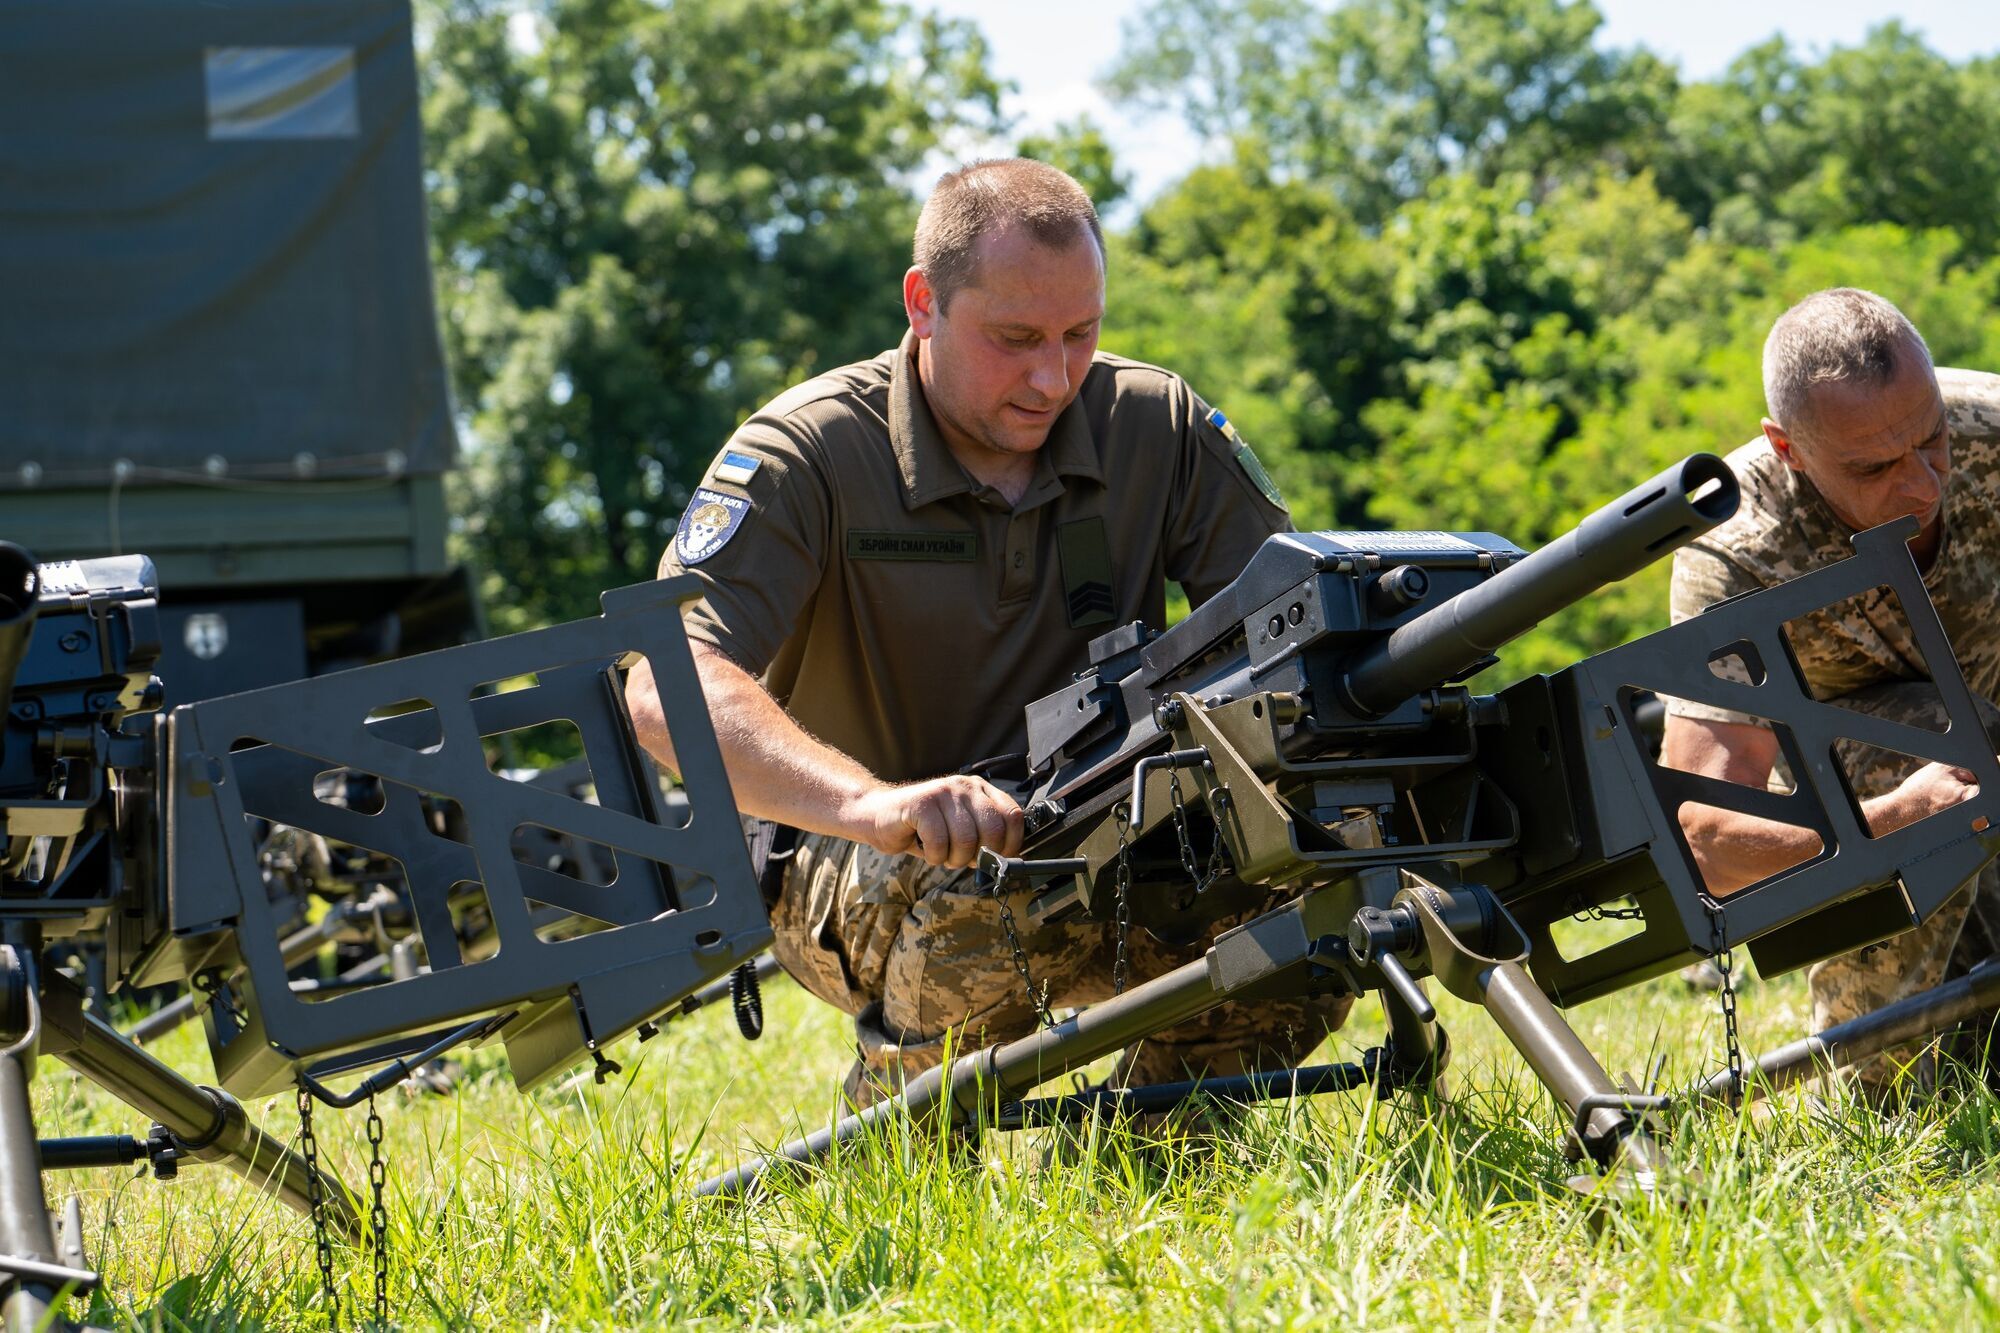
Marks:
<point>213,254</point>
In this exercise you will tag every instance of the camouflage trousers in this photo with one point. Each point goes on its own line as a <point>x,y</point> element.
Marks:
<point>924,964</point>
<point>1961,934</point>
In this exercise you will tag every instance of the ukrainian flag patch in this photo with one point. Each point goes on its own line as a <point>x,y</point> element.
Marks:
<point>736,469</point>
<point>1246,458</point>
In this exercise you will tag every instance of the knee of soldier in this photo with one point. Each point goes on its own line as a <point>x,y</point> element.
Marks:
<point>1914,703</point>
<point>955,963</point>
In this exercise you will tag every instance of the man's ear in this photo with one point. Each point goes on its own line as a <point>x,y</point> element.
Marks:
<point>919,303</point>
<point>1781,443</point>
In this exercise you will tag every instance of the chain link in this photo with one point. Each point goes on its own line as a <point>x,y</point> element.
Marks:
<point>1035,996</point>
<point>1200,876</point>
<point>378,1216</point>
<point>1181,827</point>
<point>1725,963</point>
<point>316,1194</point>
<point>1216,866</point>
<point>1122,884</point>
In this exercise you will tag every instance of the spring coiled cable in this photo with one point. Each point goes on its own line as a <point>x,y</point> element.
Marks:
<point>746,999</point>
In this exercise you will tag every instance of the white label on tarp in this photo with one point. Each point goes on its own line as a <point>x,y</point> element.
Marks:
<point>206,635</point>
<point>282,92</point>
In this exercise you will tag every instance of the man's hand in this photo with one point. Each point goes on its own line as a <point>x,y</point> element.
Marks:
<point>944,820</point>
<point>1932,788</point>
<point>780,772</point>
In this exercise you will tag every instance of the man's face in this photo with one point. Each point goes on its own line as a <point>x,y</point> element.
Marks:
<point>1010,352</point>
<point>1876,454</point>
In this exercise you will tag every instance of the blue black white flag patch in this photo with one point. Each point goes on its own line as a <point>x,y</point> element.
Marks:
<point>712,518</point>
<point>737,469</point>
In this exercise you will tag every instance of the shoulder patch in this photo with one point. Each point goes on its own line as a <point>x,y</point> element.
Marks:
<point>1246,458</point>
<point>712,518</point>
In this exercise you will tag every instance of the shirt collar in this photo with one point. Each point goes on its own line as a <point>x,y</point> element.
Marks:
<point>930,471</point>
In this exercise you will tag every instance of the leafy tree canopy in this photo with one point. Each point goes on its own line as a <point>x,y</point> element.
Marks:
<point>650,218</point>
<point>1453,263</point>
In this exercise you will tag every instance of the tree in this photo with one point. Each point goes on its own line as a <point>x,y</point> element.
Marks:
<point>1080,148</point>
<point>1221,65</point>
<point>648,219</point>
<point>1377,99</point>
<point>1887,131</point>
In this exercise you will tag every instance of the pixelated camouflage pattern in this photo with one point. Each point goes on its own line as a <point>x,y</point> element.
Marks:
<point>923,963</point>
<point>1958,936</point>
<point>1783,529</point>
<point>1861,653</point>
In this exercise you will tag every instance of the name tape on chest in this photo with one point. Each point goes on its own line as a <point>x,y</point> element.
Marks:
<point>946,544</point>
<point>712,518</point>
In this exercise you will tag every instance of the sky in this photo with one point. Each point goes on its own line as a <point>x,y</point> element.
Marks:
<point>1053,51</point>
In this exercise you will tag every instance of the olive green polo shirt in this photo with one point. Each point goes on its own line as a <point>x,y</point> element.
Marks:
<point>905,613</point>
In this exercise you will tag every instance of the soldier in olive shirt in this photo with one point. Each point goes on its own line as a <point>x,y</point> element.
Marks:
<point>1861,431</point>
<point>901,554</point>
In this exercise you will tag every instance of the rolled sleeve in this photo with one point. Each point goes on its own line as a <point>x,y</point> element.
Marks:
<point>761,581</point>
<point>1703,577</point>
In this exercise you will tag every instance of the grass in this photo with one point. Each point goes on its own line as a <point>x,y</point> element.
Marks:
<point>574,1208</point>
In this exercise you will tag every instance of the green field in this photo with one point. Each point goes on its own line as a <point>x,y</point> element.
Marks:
<point>573,1208</point>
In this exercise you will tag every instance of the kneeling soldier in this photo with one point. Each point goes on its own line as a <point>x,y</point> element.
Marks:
<point>898,557</point>
<point>1861,431</point>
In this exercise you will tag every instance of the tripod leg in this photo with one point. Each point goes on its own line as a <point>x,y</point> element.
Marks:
<point>1925,1014</point>
<point>24,1210</point>
<point>212,1123</point>
<point>1006,1071</point>
<point>1268,956</point>
<point>1604,1120</point>
<point>1414,1060</point>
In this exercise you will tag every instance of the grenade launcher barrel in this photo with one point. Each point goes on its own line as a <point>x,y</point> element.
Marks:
<point>1613,543</point>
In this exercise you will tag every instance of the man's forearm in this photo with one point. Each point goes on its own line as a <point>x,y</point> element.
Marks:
<point>777,770</point>
<point>1734,850</point>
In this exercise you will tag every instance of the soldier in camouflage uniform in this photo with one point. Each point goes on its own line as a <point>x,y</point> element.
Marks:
<point>900,555</point>
<point>1862,430</point>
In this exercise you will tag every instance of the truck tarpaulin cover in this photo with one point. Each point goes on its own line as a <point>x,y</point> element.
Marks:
<point>213,244</point>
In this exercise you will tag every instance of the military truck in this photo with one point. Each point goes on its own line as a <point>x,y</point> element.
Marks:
<point>218,344</point>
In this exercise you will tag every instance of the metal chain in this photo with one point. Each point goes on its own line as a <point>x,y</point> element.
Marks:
<point>1181,827</point>
<point>378,1216</point>
<point>316,1193</point>
<point>1725,962</point>
<point>1122,885</point>
<point>1216,865</point>
<point>1035,997</point>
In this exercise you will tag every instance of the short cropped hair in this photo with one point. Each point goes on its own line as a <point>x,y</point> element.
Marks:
<point>991,196</point>
<point>1841,335</point>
